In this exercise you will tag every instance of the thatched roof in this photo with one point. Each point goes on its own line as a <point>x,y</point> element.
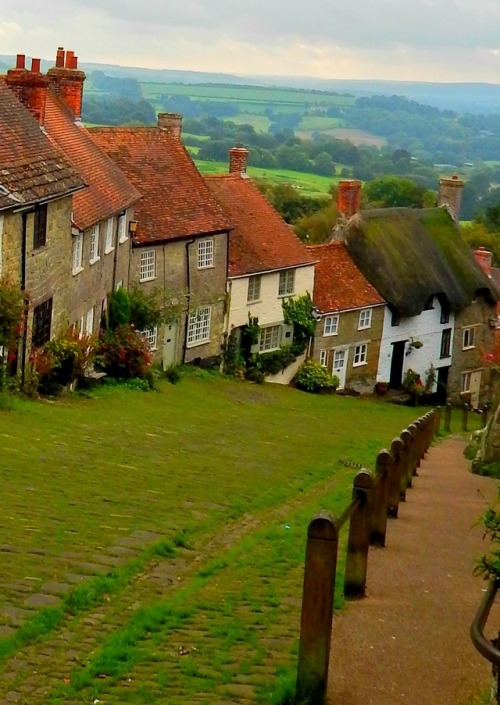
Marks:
<point>410,254</point>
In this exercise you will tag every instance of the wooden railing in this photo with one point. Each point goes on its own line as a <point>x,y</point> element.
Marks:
<point>375,497</point>
<point>464,413</point>
<point>487,648</point>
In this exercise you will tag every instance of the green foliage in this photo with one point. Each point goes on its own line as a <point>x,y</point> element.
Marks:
<point>234,362</point>
<point>61,361</point>
<point>123,353</point>
<point>413,382</point>
<point>11,312</point>
<point>388,191</point>
<point>488,565</point>
<point>298,312</point>
<point>312,377</point>
<point>173,374</point>
<point>118,313</point>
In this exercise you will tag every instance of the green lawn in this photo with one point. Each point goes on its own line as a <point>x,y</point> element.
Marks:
<point>319,123</point>
<point>176,518</point>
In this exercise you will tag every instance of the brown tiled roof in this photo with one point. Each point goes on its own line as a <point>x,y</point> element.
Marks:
<point>261,240</point>
<point>109,191</point>
<point>31,169</point>
<point>338,283</point>
<point>176,202</point>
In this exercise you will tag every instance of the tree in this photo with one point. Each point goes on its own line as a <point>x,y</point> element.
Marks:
<point>389,191</point>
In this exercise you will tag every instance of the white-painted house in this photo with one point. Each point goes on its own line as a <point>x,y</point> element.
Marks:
<point>267,261</point>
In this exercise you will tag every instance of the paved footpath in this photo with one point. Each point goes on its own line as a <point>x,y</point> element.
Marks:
<point>408,642</point>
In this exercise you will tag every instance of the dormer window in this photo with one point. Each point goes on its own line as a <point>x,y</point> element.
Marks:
<point>205,254</point>
<point>365,319</point>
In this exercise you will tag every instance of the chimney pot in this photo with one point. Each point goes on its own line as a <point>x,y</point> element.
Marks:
<point>484,259</point>
<point>69,59</point>
<point>74,62</point>
<point>348,198</point>
<point>60,58</point>
<point>20,61</point>
<point>35,65</point>
<point>172,123</point>
<point>238,158</point>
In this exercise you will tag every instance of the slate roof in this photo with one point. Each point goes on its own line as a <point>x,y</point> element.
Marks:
<point>410,254</point>
<point>338,283</point>
<point>31,169</point>
<point>261,240</point>
<point>109,191</point>
<point>176,202</point>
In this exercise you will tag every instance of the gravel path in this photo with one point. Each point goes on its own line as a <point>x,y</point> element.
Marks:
<point>408,642</point>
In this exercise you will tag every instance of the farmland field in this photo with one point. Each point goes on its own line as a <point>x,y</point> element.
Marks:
<point>153,542</point>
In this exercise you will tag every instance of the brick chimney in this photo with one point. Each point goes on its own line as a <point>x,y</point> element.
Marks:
<point>238,158</point>
<point>171,122</point>
<point>450,194</point>
<point>484,258</point>
<point>348,198</point>
<point>67,81</point>
<point>30,86</point>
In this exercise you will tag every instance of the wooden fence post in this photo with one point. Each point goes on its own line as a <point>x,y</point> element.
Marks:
<point>359,536</point>
<point>485,415</point>
<point>447,418</point>
<point>405,465</point>
<point>379,511</point>
<point>317,608</point>
<point>465,413</point>
<point>412,428</point>
<point>396,473</point>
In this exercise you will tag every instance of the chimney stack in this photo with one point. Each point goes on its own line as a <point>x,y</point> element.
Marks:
<point>450,194</point>
<point>484,259</point>
<point>348,198</point>
<point>172,123</point>
<point>30,86</point>
<point>238,158</point>
<point>67,81</point>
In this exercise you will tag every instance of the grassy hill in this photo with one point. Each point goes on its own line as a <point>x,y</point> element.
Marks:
<point>154,542</point>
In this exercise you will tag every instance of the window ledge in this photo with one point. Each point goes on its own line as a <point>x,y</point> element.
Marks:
<point>195,343</point>
<point>96,259</point>
<point>76,271</point>
<point>443,357</point>
<point>282,296</point>
<point>359,364</point>
<point>207,266</point>
<point>254,301</point>
<point>148,279</point>
<point>329,335</point>
<point>122,240</point>
<point>364,327</point>
<point>107,251</point>
<point>469,347</point>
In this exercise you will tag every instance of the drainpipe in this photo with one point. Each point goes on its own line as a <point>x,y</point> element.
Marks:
<point>188,297</point>
<point>24,239</point>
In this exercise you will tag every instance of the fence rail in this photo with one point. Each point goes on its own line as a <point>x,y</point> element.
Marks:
<point>485,647</point>
<point>375,497</point>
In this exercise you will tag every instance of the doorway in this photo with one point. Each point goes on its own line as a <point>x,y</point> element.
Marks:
<point>398,357</point>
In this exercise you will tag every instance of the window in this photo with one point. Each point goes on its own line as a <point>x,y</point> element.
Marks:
<point>445,314</point>
<point>323,358</point>
<point>395,319</point>
<point>360,354</point>
<point>269,338</point>
<point>365,318</point>
<point>446,342</point>
<point>287,282</point>
<point>77,253</point>
<point>94,244</point>
<point>253,293</point>
<point>122,228</point>
<point>205,254</point>
<point>109,242</point>
<point>429,304</point>
<point>468,338</point>
<point>148,265</point>
<point>331,325</point>
<point>40,227</point>
<point>42,319</point>
<point>465,381</point>
<point>199,326</point>
<point>151,336</point>
<point>89,321</point>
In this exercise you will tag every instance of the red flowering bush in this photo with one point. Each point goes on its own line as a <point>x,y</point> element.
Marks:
<point>61,361</point>
<point>123,353</point>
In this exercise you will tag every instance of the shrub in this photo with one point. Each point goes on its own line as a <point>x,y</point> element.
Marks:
<point>61,361</point>
<point>312,377</point>
<point>118,313</point>
<point>173,374</point>
<point>123,353</point>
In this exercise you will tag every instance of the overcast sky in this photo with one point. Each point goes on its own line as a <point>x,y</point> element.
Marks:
<point>428,40</point>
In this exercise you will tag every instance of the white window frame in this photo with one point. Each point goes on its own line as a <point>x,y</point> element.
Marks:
<point>286,285</point>
<point>110,236</point>
<point>360,355</point>
<point>89,322</point>
<point>151,337</point>
<point>323,358</point>
<point>254,286</point>
<point>147,265</point>
<point>465,381</point>
<point>331,326</point>
<point>198,331</point>
<point>270,338</point>
<point>122,228</point>
<point>77,253</point>
<point>468,338</point>
<point>206,253</point>
<point>94,244</point>
<point>365,319</point>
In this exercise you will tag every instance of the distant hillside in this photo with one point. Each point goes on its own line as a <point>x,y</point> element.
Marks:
<point>476,98</point>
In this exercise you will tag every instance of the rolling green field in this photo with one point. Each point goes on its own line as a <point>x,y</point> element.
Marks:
<point>153,543</point>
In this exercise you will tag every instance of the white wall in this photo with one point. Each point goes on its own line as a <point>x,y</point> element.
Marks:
<point>1,242</point>
<point>268,310</point>
<point>426,328</point>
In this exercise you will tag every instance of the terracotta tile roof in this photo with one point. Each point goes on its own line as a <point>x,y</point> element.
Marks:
<point>176,202</point>
<point>261,240</point>
<point>338,283</point>
<point>31,169</point>
<point>109,191</point>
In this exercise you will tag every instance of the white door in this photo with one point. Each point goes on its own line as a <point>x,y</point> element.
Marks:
<point>170,345</point>
<point>475,386</point>
<point>339,366</point>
